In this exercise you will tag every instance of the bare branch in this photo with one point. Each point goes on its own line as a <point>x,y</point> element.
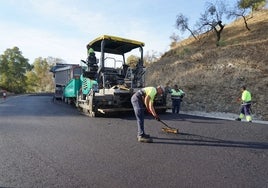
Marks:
<point>182,25</point>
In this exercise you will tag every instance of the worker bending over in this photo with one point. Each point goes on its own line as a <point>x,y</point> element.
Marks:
<point>141,100</point>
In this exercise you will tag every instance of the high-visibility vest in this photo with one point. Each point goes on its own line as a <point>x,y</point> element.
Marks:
<point>176,94</point>
<point>246,96</point>
<point>150,91</point>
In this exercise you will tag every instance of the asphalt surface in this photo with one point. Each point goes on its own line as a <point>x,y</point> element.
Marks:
<point>51,144</point>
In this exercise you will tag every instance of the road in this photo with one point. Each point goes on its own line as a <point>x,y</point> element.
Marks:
<point>51,144</point>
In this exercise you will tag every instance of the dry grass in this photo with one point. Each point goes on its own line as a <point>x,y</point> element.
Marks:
<point>212,76</point>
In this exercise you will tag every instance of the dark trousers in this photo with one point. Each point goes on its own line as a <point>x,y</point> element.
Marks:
<point>139,107</point>
<point>245,109</point>
<point>176,103</point>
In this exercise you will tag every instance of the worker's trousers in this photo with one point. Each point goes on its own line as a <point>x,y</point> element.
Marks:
<point>176,103</point>
<point>139,107</point>
<point>245,111</point>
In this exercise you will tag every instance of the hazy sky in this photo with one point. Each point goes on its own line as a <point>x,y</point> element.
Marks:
<point>62,28</point>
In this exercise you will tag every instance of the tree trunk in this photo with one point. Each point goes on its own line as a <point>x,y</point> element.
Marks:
<point>218,32</point>
<point>246,24</point>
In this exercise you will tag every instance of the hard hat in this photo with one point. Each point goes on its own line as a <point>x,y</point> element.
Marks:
<point>90,50</point>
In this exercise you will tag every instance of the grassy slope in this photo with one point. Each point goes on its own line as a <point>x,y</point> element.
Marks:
<point>212,76</point>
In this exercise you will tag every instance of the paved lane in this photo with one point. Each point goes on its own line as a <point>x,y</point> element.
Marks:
<point>47,144</point>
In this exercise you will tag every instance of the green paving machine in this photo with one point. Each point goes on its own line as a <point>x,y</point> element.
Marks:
<point>107,83</point>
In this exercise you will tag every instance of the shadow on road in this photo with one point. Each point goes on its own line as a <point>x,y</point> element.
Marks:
<point>198,140</point>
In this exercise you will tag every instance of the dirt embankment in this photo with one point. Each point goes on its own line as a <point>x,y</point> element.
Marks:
<point>212,76</point>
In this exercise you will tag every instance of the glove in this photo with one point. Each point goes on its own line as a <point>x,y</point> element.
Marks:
<point>157,118</point>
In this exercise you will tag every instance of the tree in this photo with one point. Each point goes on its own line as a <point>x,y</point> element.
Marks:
<point>53,61</point>
<point>40,79</point>
<point>132,61</point>
<point>13,67</point>
<point>252,4</point>
<point>241,9</point>
<point>174,40</point>
<point>237,12</point>
<point>31,84</point>
<point>211,19</point>
<point>152,57</point>
<point>182,24</point>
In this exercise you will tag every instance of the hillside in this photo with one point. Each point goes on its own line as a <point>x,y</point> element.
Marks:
<point>212,76</point>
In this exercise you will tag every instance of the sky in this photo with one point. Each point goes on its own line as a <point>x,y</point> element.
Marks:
<point>63,28</point>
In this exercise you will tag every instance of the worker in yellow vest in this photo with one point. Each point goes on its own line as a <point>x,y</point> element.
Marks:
<point>176,96</point>
<point>141,100</point>
<point>245,105</point>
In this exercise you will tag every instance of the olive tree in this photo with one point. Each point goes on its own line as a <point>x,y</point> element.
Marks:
<point>241,9</point>
<point>211,19</point>
<point>183,25</point>
<point>13,66</point>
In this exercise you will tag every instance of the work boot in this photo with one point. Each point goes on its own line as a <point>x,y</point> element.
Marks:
<point>147,139</point>
<point>238,119</point>
<point>144,135</point>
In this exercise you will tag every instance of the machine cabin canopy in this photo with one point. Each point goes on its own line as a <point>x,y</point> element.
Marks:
<point>114,45</point>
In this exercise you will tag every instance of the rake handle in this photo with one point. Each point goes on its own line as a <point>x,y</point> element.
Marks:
<point>161,122</point>
<point>165,124</point>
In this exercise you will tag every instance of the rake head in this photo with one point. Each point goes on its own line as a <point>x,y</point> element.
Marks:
<point>170,130</point>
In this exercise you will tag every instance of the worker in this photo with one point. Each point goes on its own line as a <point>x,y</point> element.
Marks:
<point>4,95</point>
<point>176,96</point>
<point>245,105</point>
<point>92,64</point>
<point>141,100</point>
<point>91,59</point>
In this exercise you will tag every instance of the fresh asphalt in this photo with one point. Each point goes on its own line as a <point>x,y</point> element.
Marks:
<point>51,144</point>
